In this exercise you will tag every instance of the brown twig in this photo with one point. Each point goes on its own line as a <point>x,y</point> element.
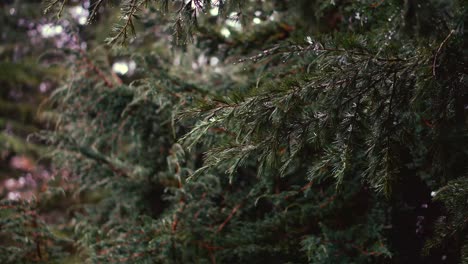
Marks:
<point>303,189</point>
<point>98,71</point>
<point>377,4</point>
<point>234,210</point>
<point>328,201</point>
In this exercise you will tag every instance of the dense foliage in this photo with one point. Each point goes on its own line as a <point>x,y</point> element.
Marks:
<point>25,80</point>
<point>265,131</point>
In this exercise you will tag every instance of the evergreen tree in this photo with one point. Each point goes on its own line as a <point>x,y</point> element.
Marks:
<point>269,131</point>
<point>30,215</point>
<point>24,84</point>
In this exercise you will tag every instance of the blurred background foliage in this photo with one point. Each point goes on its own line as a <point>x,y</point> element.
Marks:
<point>26,81</point>
<point>31,68</point>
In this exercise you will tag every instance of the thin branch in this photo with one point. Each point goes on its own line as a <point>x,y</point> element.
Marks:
<point>233,212</point>
<point>95,9</point>
<point>134,6</point>
<point>438,51</point>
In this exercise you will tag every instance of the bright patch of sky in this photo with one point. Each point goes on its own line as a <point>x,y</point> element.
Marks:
<point>14,196</point>
<point>80,14</point>
<point>124,67</point>
<point>50,30</point>
<point>214,11</point>
<point>225,32</point>
<point>233,21</point>
<point>274,16</point>
<point>214,61</point>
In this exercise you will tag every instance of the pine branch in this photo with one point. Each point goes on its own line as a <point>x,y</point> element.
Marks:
<point>439,50</point>
<point>130,10</point>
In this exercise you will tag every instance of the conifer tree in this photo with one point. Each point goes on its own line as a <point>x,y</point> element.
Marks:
<point>26,78</point>
<point>268,131</point>
<point>24,85</point>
